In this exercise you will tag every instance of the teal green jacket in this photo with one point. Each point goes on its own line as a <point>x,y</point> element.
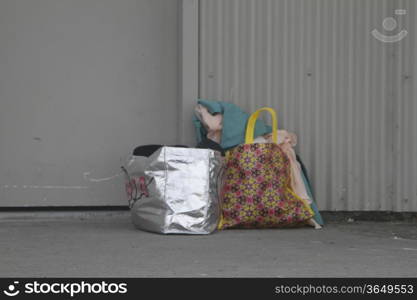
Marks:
<point>234,123</point>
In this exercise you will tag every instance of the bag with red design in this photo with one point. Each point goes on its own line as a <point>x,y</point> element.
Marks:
<point>174,190</point>
<point>256,192</point>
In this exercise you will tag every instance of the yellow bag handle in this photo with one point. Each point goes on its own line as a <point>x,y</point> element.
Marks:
<point>250,127</point>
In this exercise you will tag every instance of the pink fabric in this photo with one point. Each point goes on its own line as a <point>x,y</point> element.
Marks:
<point>287,141</point>
<point>212,123</point>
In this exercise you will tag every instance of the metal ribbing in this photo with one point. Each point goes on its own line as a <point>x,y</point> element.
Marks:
<point>349,97</point>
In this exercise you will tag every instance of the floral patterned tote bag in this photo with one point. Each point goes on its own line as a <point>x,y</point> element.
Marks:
<point>256,192</point>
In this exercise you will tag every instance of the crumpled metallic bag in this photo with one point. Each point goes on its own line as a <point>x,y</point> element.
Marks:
<point>175,190</point>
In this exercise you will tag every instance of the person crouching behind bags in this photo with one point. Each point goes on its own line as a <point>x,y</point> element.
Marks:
<point>257,185</point>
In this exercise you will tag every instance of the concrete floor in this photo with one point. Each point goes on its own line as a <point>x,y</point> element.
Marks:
<point>106,244</point>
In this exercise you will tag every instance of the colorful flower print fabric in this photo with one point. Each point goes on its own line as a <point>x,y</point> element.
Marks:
<point>256,191</point>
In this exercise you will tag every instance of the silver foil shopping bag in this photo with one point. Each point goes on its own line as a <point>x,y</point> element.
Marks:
<point>175,190</point>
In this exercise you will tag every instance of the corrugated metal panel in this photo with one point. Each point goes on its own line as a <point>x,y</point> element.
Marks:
<point>405,98</point>
<point>317,63</point>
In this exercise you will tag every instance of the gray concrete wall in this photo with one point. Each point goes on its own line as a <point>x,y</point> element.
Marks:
<point>81,83</point>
